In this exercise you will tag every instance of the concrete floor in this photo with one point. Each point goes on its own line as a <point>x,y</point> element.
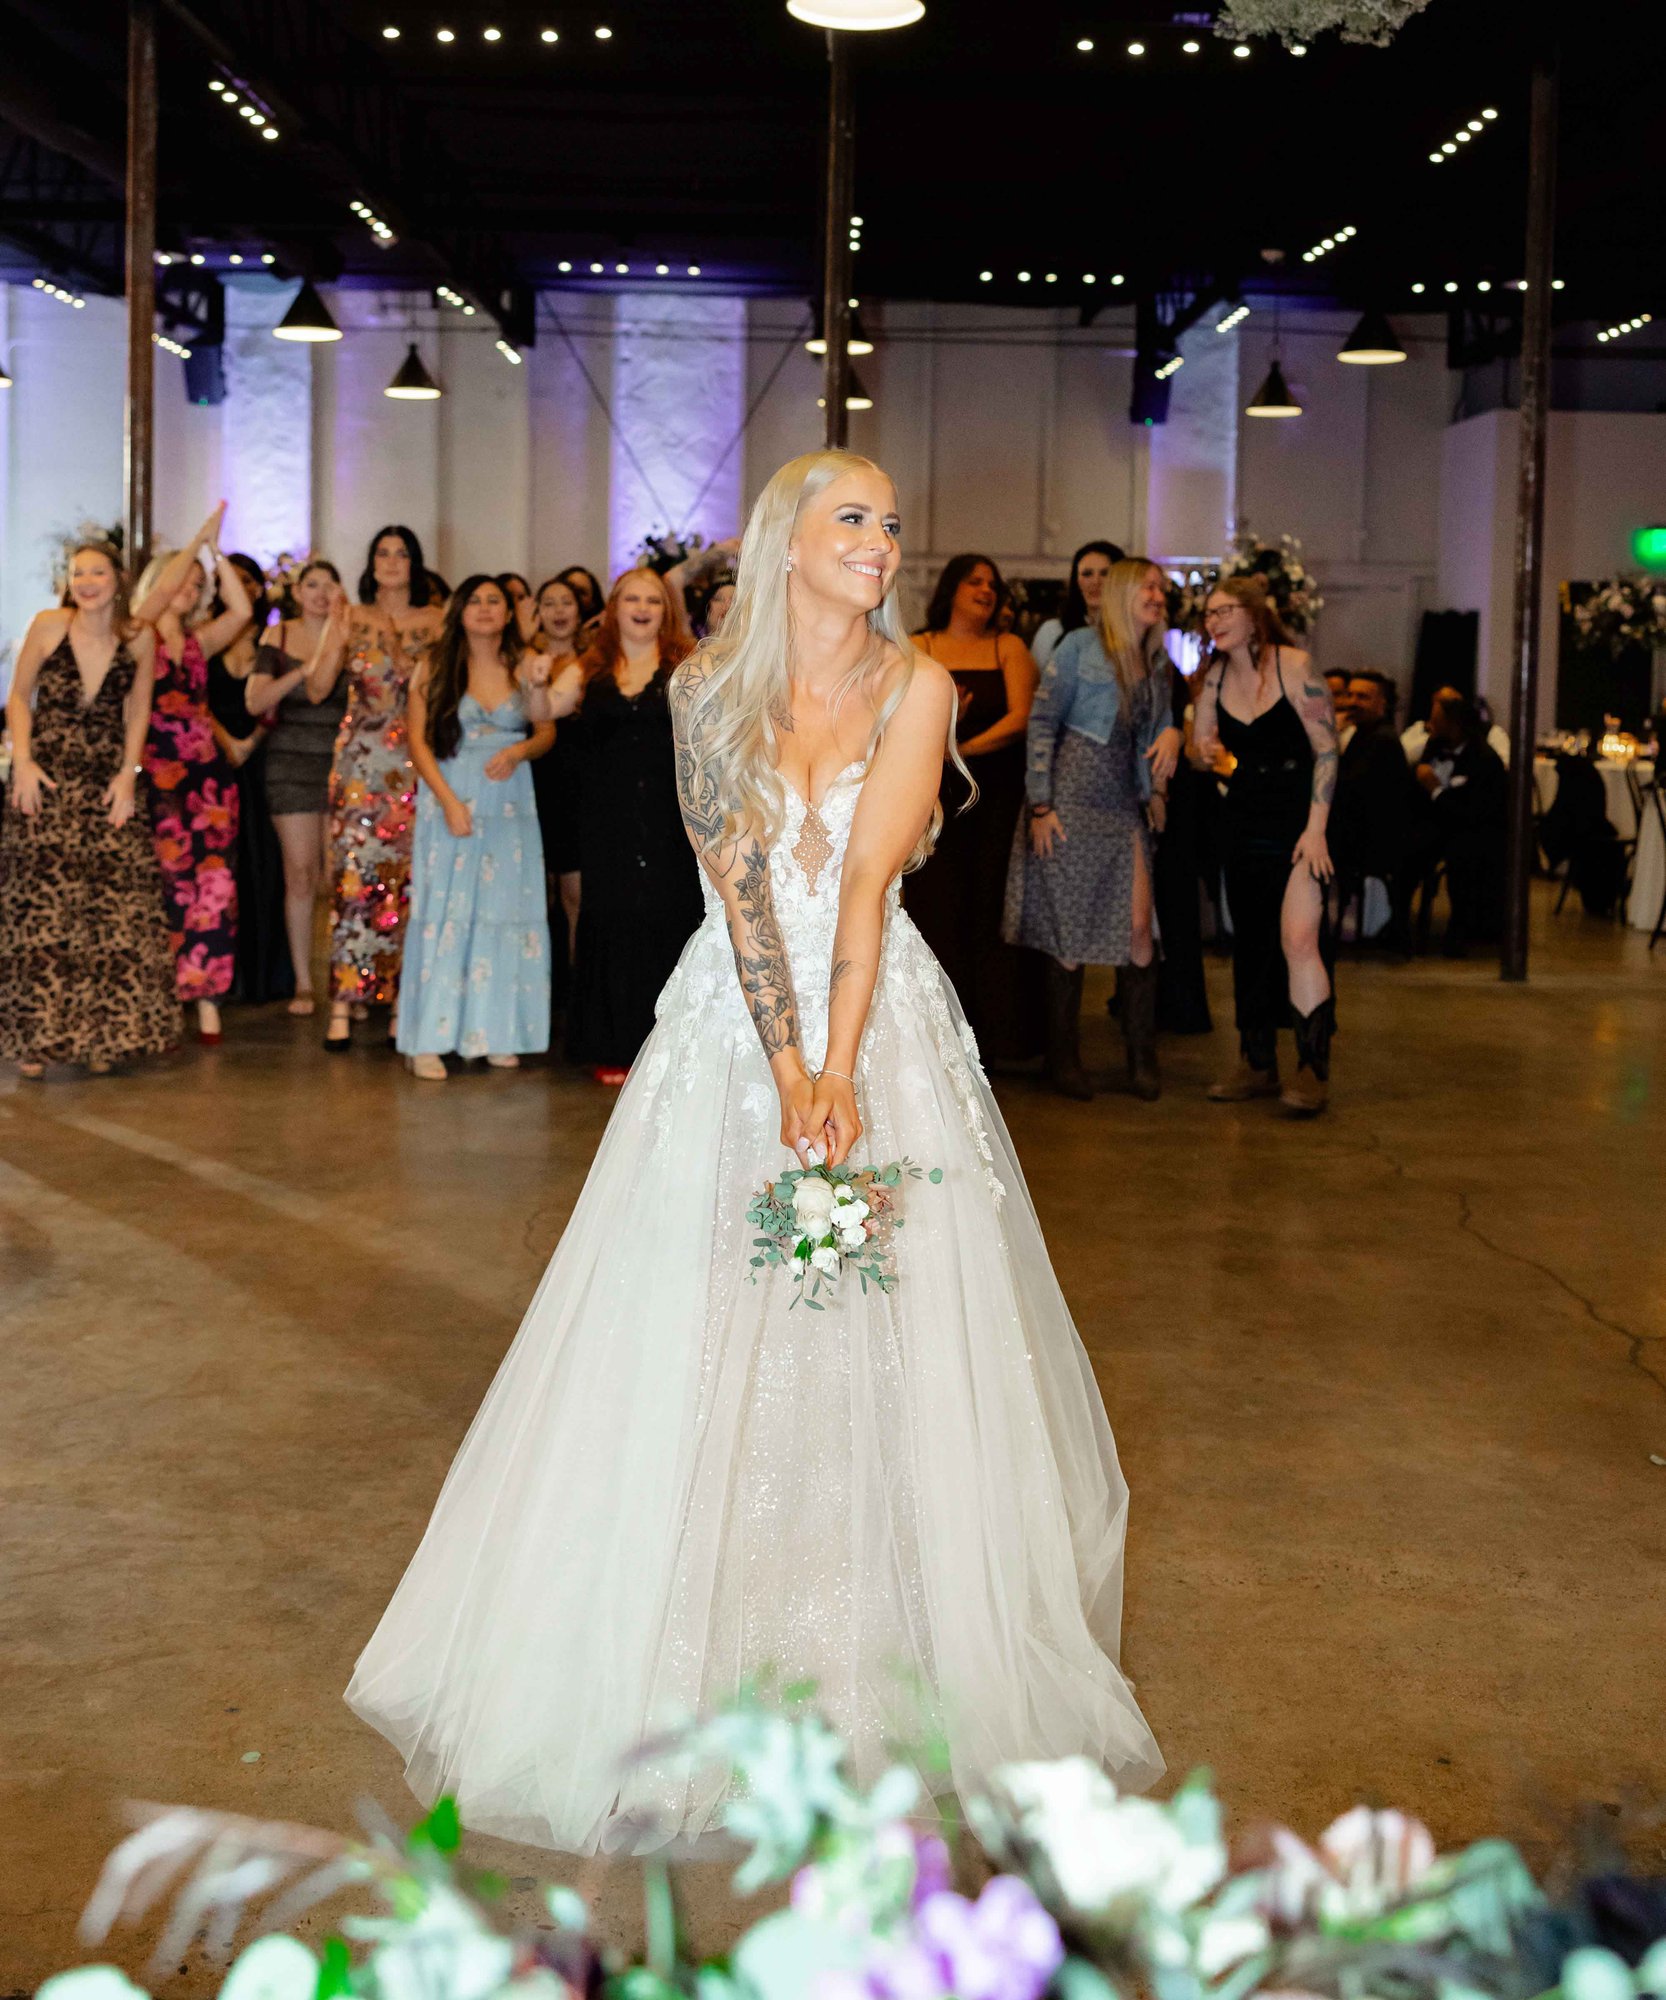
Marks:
<point>1386,1388</point>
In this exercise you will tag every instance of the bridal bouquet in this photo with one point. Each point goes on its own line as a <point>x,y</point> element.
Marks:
<point>818,1221</point>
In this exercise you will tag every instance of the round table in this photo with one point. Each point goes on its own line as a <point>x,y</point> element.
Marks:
<point>1648,878</point>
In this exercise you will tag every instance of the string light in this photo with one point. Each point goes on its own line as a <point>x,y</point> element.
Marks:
<point>1172,366</point>
<point>1085,46</point>
<point>444,35</point>
<point>1626,326</point>
<point>390,34</point>
<point>509,353</point>
<point>172,346</point>
<point>564,265</point>
<point>549,35</point>
<point>1328,243</point>
<point>1419,290</point>
<point>1242,49</point>
<point>373,222</point>
<point>1238,314</point>
<point>58,292</point>
<point>1136,48</point>
<point>1463,136</point>
<point>986,277</point>
<point>491,34</point>
<point>1190,48</point>
<point>694,270</point>
<point>447,296</point>
<point>247,106</point>
<point>604,34</point>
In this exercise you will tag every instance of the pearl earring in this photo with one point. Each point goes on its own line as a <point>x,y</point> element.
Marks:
<point>789,564</point>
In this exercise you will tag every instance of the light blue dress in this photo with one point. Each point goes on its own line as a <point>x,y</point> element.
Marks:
<point>476,979</point>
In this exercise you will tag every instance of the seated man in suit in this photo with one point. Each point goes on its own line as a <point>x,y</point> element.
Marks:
<point>1415,740</point>
<point>1379,820</point>
<point>1468,789</point>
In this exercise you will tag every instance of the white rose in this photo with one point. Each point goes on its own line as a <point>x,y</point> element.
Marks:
<point>813,1204</point>
<point>826,1260</point>
<point>849,1211</point>
<point>852,1239</point>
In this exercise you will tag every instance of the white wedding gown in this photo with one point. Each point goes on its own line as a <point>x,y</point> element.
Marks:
<point>675,1482</point>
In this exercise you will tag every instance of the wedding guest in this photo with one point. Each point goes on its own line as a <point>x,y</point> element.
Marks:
<point>592,600</point>
<point>1378,815</point>
<point>956,898</point>
<point>1468,788</point>
<point>377,644</point>
<point>476,976</point>
<point>1415,739</point>
<point>1262,702</point>
<point>86,963</point>
<point>299,748</point>
<point>1089,567</point>
<point>553,634</point>
<point>1577,832</point>
<point>515,587</point>
<point>1102,746</point>
<point>190,762</point>
<point>264,971</point>
<point>641,896</point>
<point>712,604</point>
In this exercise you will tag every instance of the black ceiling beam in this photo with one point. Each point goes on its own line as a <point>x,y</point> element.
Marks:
<point>58,213</point>
<point>361,137</point>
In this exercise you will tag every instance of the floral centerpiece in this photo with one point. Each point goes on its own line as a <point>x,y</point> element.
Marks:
<point>1623,612</point>
<point>1290,587</point>
<point>1080,1894</point>
<point>819,1221</point>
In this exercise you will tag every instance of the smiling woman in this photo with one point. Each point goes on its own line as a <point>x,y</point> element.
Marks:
<point>641,896</point>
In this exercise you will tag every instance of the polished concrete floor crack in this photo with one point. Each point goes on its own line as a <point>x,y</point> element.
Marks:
<point>1637,1344</point>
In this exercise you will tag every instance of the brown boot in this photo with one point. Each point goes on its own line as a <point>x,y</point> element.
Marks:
<point>1308,1095</point>
<point>1257,1071</point>
<point>1137,985</point>
<point>1064,1014</point>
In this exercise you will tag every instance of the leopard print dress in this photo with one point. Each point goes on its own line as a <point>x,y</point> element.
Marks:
<point>86,970</point>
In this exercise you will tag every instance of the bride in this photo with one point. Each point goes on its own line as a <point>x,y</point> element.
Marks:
<point>674,1483</point>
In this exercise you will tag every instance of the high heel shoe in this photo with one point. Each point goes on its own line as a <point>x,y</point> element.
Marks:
<point>338,1045</point>
<point>211,1038</point>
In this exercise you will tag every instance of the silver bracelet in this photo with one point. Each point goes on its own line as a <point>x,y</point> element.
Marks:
<point>839,1073</point>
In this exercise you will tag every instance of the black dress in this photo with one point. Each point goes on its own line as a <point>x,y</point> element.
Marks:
<point>1176,878</point>
<point>264,971</point>
<point>641,898</point>
<point>956,899</point>
<point>1268,798</point>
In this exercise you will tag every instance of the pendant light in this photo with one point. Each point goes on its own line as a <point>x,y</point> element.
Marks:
<point>859,16</point>
<point>1274,397</point>
<point>1373,342</point>
<point>413,383</point>
<point>856,396</point>
<point>308,318</point>
<point>858,342</point>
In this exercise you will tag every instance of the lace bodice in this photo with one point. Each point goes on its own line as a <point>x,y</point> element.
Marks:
<point>806,862</point>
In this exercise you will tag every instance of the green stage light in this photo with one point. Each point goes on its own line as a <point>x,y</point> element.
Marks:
<point>1648,547</point>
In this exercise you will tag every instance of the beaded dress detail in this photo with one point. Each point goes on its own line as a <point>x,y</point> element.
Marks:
<point>675,1483</point>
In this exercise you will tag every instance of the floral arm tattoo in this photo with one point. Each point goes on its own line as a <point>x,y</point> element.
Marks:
<point>739,870</point>
<point>1319,720</point>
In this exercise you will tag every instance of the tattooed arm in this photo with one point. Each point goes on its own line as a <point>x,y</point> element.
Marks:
<point>738,868</point>
<point>893,812</point>
<point>1311,701</point>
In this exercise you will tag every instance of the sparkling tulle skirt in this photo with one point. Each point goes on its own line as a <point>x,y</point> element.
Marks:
<point>675,1481</point>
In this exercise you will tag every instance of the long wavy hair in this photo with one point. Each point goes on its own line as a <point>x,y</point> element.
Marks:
<point>448,664</point>
<point>421,580</point>
<point>607,649</point>
<point>955,572</point>
<point>1251,593</point>
<point>121,605</point>
<point>1134,654</point>
<point>747,684</point>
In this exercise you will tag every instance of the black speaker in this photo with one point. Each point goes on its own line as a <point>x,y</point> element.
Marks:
<point>205,377</point>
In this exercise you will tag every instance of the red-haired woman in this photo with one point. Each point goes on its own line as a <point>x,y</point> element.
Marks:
<point>641,894</point>
<point>1261,699</point>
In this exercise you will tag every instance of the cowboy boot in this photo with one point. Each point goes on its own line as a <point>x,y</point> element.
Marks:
<point>1138,987</point>
<point>1064,1012</point>
<point>1308,1094</point>
<point>1257,1071</point>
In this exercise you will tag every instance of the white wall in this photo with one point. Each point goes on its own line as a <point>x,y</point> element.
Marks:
<point>1605,475</point>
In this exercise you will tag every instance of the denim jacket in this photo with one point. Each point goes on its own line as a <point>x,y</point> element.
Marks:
<point>1079,691</point>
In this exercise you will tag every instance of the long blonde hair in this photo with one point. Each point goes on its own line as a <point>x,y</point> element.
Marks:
<point>744,673</point>
<point>1135,655</point>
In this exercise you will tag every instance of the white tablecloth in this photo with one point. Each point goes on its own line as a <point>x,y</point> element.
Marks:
<point>1648,881</point>
<point>1621,814</point>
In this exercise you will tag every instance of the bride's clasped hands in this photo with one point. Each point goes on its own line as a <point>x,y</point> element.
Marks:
<point>819,1120</point>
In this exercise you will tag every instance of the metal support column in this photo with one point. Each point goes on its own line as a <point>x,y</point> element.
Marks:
<point>836,265</point>
<point>139,434</point>
<point>1530,509</point>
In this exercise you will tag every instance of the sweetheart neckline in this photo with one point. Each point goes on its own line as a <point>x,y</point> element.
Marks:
<point>815,805</point>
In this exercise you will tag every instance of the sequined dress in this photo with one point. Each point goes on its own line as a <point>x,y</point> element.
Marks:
<point>372,812</point>
<point>675,1481</point>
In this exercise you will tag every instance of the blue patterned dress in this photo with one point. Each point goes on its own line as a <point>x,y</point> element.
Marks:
<point>476,979</point>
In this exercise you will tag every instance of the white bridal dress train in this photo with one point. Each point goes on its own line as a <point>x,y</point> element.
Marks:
<point>674,1481</point>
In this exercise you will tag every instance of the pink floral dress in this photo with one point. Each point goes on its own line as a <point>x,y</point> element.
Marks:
<point>193,802</point>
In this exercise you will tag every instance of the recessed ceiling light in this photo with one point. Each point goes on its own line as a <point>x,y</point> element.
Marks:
<point>1189,48</point>
<point>604,34</point>
<point>1089,279</point>
<point>1484,285</point>
<point>491,34</point>
<point>445,35</point>
<point>1420,289</point>
<point>1136,48</point>
<point>1558,284</point>
<point>1451,285</point>
<point>390,34</point>
<point>1023,277</point>
<point>1085,46</point>
<point>986,277</point>
<point>1242,49</point>
<point>1052,277</point>
<point>1117,280</point>
<point>549,35</point>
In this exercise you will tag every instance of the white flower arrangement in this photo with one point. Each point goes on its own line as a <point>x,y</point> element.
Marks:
<point>1619,613</point>
<point>817,1220</point>
<point>1372,21</point>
